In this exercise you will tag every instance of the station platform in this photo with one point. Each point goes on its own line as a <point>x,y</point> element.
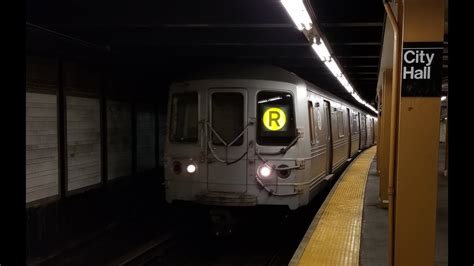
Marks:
<point>351,228</point>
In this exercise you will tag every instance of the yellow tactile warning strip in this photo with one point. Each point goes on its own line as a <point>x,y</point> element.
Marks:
<point>333,237</point>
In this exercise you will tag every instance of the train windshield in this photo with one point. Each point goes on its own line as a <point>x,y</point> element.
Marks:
<point>275,118</point>
<point>184,117</point>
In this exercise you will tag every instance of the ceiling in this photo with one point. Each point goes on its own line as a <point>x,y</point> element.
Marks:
<point>179,36</point>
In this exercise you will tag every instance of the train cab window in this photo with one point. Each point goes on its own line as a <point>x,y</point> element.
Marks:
<point>275,118</point>
<point>227,117</point>
<point>312,127</point>
<point>184,117</point>
<point>340,124</point>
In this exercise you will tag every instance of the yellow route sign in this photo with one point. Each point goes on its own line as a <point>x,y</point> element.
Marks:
<point>274,119</point>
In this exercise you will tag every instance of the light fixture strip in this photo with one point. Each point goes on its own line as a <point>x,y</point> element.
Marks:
<point>321,50</point>
<point>300,16</point>
<point>298,13</point>
<point>334,68</point>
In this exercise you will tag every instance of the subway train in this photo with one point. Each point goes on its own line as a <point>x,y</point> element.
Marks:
<point>257,135</point>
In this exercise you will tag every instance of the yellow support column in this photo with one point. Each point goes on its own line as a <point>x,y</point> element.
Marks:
<point>418,132</point>
<point>385,136</point>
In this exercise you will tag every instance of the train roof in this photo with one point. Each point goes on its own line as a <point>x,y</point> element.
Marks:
<point>246,71</point>
<point>258,72</point>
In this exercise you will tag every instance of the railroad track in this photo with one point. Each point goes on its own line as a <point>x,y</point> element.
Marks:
<point>188,244</point>
<point>147,252</point>
<point>274,259</point>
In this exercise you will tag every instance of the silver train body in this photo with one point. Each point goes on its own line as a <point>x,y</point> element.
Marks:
<point>246,136</point>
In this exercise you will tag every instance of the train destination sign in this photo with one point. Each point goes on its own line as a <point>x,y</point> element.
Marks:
<point>421,69</point>
<point>274,119</point>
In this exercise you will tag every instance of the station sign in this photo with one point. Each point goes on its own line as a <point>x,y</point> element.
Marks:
<point>274,118</point>
<point>421,69</point>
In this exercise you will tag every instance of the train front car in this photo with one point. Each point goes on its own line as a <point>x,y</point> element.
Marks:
<point>237,140</point>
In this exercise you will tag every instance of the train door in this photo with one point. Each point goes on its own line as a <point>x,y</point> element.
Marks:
<point>360,131</point>
<point>363,131</point>
<point>374,129</point>
<point>327,122</point>
<point>370,131</point>
<point>366,126</point>
<point>355,138</point>
<point>227,140</point>
<point>349,135</point>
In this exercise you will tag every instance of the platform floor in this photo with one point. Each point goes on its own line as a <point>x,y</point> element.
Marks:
<point>366,243</point>
<point>374,241</point>
<point>334,236</point>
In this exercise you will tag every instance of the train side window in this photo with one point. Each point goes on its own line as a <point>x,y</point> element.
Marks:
<point>354,124</point>
<point>184,117</point>
<point>340,123</point>
<point>317,122</point>
<point>227,117</point>
<point>312,127</point>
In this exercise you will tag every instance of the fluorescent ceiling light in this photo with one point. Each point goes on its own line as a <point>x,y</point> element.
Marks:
<point>298,13</point>
<point>334,68</point>
<point>322,51</point>
<point>357,97</point>
<point>349,89</point>
<point>342,79</point>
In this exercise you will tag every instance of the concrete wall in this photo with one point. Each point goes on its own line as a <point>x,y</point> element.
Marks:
<point>146,138</point>
<point>41,128</point>
<point>82,87</point>
<point>41,75</point>
<point>119,139</point>
<point>41,146</point>
<point>83,142</point>
<point>48,219</point>
<point>80,79</point>
<point>161,138</point>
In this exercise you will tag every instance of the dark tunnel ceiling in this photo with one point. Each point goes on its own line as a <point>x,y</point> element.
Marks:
<point>182,35</point>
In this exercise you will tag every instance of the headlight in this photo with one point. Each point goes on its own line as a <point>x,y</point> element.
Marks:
<point>191,168</point>
<point>264,171</point>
